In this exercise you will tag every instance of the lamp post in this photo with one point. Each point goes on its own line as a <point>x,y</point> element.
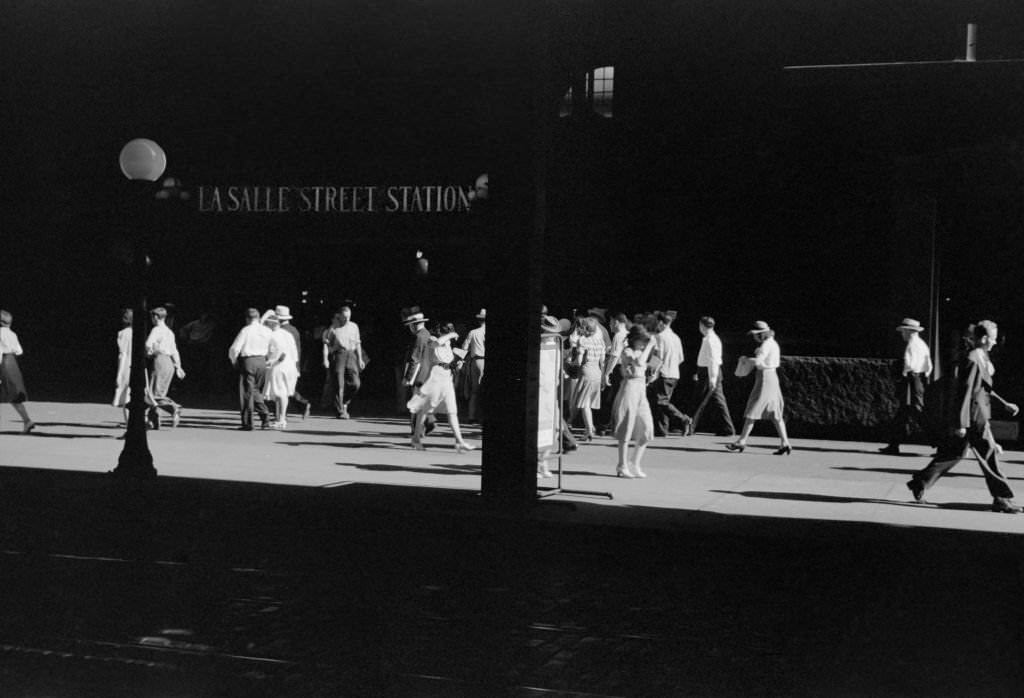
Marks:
<point>141,160</point>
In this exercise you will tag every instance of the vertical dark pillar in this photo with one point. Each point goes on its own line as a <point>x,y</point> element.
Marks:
<point>515,229</point>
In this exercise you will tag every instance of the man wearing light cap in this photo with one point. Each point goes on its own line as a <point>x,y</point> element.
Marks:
<point>917,366</point>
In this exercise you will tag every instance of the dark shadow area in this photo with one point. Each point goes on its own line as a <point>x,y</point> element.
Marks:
<point>210,588</point>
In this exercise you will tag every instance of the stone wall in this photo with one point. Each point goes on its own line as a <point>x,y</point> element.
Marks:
<point>828,397</point>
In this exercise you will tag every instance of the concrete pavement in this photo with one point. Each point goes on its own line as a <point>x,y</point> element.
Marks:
<point>824,480</point>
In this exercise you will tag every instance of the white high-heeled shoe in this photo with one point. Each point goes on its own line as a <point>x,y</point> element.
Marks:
<point>462,447</point>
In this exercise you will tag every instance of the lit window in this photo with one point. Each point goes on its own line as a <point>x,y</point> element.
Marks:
<point>598,86</point>
<point>601,85</point>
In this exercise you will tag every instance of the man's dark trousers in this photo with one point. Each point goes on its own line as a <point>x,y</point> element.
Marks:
<point>979,438</point>
<point>910,396</point>
<point>660,395</point>
<point>712,396</point>
<point>251,376</point>
<point>346,377</point>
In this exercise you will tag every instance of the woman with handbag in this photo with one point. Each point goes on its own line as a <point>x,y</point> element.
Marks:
<point>631,412</point>
<point>587,361</point>
<point>438,390</point>
<point>765,401</point>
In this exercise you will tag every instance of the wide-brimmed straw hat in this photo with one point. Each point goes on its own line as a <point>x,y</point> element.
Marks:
<point>269,316</point>
<point>549,323</point>
<point>759,327</point>
<point>910,324</point>
<point>482,315</point>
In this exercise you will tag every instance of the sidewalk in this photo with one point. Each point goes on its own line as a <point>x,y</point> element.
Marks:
<point>332,560</point>
<point>822,480</point>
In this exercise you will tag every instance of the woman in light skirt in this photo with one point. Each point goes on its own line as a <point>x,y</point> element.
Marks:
<point>585,396</point>
<point>122,384</point>
<point>631,412</point>
<point>439,388</point>
<point>282,371</point>
<point>12,385</point>
<point>765,400</point>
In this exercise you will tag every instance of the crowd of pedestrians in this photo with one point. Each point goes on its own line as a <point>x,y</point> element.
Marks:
<point>620,377</point>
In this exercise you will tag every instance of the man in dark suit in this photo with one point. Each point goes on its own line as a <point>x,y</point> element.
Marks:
<point>971,427</point>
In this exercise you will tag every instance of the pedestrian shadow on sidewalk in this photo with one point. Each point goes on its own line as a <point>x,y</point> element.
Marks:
<point>362,444</point>
<point>36,434</point>
<point>900,471</point>
<point>83,425</point>
<point>831,499</point>
<point>437,469</point>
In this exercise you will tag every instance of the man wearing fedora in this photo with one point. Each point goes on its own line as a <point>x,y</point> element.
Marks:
<point>475,355</point>
<point>916,368</point>
<point>417,361</point>
<point>284,316</point>
<point>342,355</point>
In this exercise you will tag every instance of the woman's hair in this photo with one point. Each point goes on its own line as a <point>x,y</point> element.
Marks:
<point>980,329</point>
<point>5,318</point>
<point>587,326</point>
<point>127,315</point>
<point>159,311</point>
<point>637,333</point>
<point>439,329</point>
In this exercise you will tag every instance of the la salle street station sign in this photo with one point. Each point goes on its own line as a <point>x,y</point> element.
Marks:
<point>336,199</point>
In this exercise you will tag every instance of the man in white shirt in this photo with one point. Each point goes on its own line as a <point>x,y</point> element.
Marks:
<point>917,366</point>
<point>709,379</point>
<point>162,350</point>
<point>342,354</point>
<point>248,354</point>
<point>670,352</point>
<point>476,353</point>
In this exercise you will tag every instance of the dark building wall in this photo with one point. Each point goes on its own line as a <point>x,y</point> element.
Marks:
<point>722,185</point>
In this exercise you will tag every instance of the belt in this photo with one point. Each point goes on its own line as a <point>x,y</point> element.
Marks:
<point>448,366</point>
<point>252,356</point>
<point>477,357</point>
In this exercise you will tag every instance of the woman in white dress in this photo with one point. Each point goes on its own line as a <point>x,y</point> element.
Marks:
<point>282,371</point>
<point>122,387</point>
<point>765,401</point>
<point>588,349</point>
<point>439,388</point>
<point>12,385</point>
<point>631,413</point>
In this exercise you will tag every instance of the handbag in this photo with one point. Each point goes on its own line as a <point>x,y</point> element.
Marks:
<point>744,366</point>
<point>574,364</point>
